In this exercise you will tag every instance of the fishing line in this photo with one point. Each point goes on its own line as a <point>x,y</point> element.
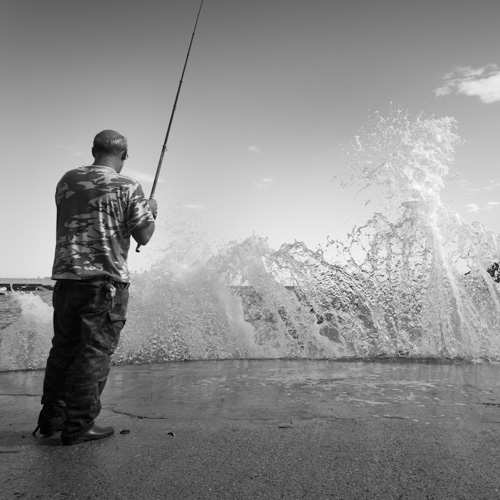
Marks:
<point>164,147</point>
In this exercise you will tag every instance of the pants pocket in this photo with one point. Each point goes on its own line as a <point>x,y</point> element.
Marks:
<point>103,328</point>
<point>119,303</point>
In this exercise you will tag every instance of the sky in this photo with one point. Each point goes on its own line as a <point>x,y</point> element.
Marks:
<point>273,91</point>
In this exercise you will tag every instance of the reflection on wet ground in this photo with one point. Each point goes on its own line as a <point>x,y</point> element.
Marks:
<point>303,389</point>
<point>295,390</point>
<point>409,390</point>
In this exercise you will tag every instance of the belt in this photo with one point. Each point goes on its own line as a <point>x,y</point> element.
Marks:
<point>97,279</point>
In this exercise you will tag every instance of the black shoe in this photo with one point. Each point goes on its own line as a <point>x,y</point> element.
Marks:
<point>92,434</point>
<point>47,431</point>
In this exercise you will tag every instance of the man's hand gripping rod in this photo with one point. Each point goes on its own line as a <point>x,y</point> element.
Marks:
<point>164,147</point>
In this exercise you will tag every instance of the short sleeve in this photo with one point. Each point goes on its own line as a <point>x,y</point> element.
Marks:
<point>138,212</point>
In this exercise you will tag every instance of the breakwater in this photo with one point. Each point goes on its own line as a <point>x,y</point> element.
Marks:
<point>26,284</point>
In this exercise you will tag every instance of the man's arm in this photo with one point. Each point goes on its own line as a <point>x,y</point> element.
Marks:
<point>143,234</point>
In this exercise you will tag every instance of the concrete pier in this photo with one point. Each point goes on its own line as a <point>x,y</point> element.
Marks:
<point>253,429</point>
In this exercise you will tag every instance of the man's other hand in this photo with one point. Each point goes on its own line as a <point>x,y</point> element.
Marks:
<point>153,206</point>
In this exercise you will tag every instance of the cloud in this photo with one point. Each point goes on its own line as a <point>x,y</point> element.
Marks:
<point>69,150</point>
<point>264,184</point>
<point>493,185</point>
<point>140,176</point>
<point>482,82</point>
<point>471,207</point>
<point>474,207</point>
<point>193,206</point>
<point>255,149</point>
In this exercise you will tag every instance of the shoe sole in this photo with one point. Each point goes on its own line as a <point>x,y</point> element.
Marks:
<point>70,442</point>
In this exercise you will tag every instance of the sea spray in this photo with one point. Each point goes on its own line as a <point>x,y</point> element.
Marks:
<point>412,281</point>
<point>24,345</point>
<point>425,265</point>
<point>229,306</point>
<point>402,158</point>
<point>181,309</point>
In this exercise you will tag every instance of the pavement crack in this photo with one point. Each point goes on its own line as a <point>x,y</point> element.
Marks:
<point>21,395</point>
<point>135,415</point>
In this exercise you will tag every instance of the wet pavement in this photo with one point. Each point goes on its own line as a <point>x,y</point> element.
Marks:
<point>267,429</point>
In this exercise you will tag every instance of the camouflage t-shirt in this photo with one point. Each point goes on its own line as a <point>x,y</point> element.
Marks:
<point>97,209</point>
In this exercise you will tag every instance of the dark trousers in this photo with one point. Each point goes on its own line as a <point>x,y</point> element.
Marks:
<point>87,326</point>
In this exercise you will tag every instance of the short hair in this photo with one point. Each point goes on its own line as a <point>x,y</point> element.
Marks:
<point>109,143</point>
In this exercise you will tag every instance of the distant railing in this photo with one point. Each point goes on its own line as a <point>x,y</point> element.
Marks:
<point>26,284</point>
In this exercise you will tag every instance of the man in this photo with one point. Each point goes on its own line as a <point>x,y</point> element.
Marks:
<point>98,209</point>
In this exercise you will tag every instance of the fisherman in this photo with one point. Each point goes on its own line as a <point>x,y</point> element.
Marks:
<point>98,209</point>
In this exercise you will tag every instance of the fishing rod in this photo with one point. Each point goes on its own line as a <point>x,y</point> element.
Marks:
<point>164,147</point>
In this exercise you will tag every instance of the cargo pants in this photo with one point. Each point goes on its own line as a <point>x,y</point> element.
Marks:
<point>87,325</point>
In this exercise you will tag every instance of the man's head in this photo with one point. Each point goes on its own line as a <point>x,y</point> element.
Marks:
<point>110,149</point>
